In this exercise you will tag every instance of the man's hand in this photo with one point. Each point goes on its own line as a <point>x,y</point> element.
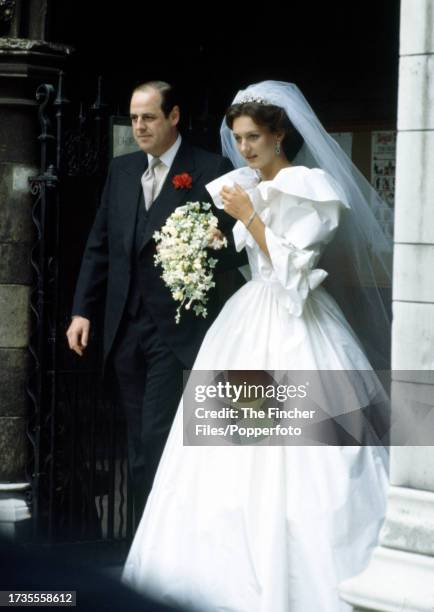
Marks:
<point>78,334</point>
<point>214,234</point>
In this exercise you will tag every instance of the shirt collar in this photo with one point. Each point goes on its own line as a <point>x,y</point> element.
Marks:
<point>168,156</point>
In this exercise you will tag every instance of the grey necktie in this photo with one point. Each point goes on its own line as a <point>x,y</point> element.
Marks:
<point>149,182</point>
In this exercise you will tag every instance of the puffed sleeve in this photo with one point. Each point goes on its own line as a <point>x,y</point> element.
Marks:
<point>302,223</point>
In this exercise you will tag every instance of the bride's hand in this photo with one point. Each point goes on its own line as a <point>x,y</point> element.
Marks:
<point>236,203</point>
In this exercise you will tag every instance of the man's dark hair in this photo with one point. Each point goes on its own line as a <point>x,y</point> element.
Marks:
<point>169,94</point>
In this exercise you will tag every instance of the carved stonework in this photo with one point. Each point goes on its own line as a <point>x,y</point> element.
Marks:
<point>27,45</point>
<point>7,8</point>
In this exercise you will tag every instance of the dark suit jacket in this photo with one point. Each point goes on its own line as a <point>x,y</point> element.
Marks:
<point>107,263</point>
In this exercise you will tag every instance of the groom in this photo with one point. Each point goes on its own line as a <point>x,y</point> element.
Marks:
<point>145,351</point>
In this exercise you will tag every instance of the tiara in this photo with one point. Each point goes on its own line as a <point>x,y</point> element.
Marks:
<point>246,98</point>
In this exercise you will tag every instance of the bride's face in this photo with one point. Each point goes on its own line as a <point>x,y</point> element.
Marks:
<point>255,142</point>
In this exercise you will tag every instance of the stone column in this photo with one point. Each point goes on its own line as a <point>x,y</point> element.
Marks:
<point>24,64</point>
<point>400,575</point>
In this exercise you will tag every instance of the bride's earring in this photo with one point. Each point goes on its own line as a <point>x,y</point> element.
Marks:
<point>277,147</point>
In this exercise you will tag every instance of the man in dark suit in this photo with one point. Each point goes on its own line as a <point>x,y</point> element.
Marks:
<point>145,351</point>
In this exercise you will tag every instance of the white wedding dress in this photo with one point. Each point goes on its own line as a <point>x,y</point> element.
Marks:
<point>267,528</point>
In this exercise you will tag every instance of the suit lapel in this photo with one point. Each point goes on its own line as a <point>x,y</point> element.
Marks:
<point>170,197</point>
<point>129,190</point>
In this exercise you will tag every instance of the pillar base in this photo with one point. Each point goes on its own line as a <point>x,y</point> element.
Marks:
<point>394,580</point>
<point>14,510</point>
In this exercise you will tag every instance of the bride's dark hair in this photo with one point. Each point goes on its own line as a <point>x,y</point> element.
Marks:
<point>271,117</point>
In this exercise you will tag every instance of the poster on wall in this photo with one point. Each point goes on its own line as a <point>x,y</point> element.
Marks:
<point>383,164</point>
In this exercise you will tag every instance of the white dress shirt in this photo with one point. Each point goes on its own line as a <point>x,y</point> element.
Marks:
<point>162,170</point>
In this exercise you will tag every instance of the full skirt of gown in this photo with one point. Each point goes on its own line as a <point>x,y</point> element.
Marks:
<point>262,528</point>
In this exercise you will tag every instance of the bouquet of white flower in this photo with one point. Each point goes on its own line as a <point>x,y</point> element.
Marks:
<point>182,252</point>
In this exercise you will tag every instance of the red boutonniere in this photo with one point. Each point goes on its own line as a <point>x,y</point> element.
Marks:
<point>182,181</point>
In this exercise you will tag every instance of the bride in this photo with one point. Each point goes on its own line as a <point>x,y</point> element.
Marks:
<point>266,527</point>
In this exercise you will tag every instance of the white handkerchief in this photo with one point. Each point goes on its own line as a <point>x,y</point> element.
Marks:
<point>244,177</point>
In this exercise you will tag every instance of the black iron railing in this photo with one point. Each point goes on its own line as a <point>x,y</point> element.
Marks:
<point>77,464</point>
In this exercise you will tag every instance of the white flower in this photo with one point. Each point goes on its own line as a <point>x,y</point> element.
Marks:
<point>182,253</point>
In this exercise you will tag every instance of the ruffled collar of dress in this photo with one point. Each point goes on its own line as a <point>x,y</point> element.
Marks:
<point>299,181</point>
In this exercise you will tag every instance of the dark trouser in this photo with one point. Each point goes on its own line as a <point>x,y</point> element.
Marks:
<point>149,382</point>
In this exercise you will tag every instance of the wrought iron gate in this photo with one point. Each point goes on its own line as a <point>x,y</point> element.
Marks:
<point>77,462</point>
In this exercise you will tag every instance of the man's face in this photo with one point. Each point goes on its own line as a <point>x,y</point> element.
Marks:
<point>153,131</point>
